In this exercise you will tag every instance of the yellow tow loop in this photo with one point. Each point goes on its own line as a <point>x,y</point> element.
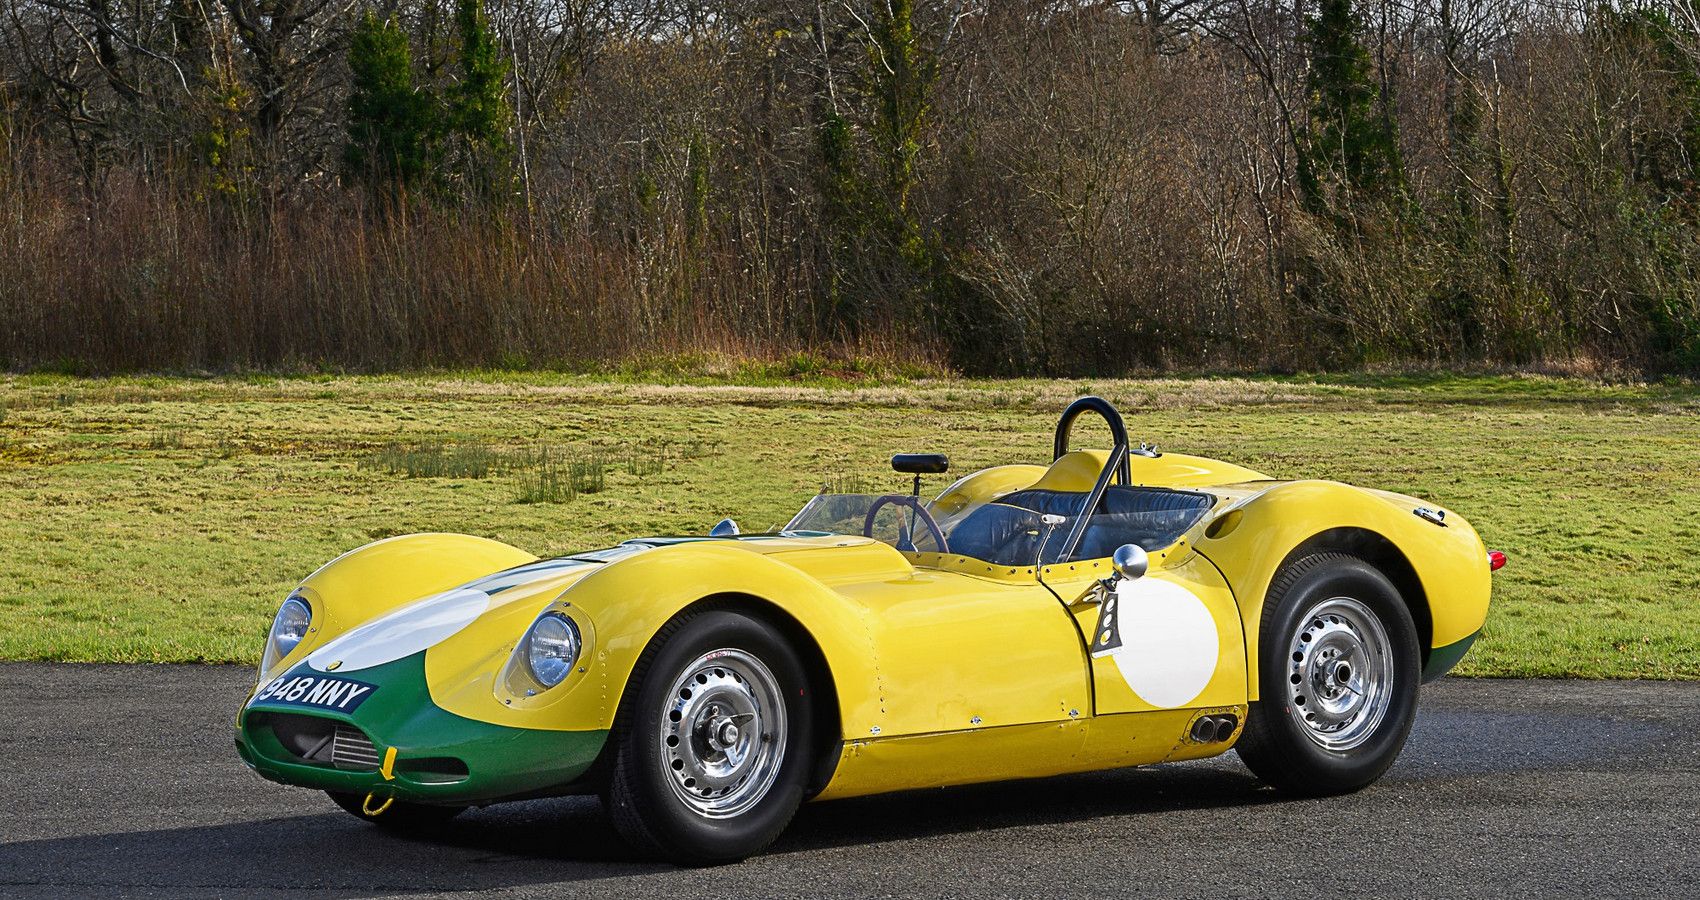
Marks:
<point>388,771</point>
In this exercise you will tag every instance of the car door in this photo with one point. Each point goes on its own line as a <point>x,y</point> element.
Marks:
<point>1176,639</point>
<point>970,646</point>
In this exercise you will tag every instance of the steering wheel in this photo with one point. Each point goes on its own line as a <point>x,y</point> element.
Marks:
<point>913,503</point>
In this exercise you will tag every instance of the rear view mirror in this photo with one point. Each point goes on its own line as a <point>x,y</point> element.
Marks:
<point>1130,561</point>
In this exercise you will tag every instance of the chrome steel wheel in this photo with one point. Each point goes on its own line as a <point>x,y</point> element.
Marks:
<point>723,733</point>
<point>1340,662</point>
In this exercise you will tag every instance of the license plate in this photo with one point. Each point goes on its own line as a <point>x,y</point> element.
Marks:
<point>316,691</point>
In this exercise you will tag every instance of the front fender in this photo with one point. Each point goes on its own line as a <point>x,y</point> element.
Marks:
<point>1250,540</point>
<point>627,602</point>
<point>371,580</point>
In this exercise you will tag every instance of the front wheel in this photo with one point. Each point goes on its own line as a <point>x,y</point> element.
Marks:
<point>712,740</point>
<point>1338,671</point>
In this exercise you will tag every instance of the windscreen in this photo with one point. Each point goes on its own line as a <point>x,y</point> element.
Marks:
<point>848,514</point>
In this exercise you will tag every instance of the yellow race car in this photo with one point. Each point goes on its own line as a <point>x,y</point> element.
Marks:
<point>1112,608</point>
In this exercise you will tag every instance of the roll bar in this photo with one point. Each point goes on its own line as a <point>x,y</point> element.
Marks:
<point>1089,506</point>
<point>1118,430</point>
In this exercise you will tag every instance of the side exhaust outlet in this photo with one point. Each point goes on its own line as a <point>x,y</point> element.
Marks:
<point>1213,729</point>
<point>1225,727</point>
<point>1204,730</point>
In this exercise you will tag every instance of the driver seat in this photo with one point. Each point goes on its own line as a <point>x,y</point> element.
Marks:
<point>1008,534</point>
<point>1007,531</point>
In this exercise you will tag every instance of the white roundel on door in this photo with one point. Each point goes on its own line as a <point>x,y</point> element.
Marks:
<point>1169,643</point>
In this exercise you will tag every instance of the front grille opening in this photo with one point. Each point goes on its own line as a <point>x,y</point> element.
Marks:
<point>352,749</point>
<point>326,742</point>
<point>323,741</point>
<point>434,769</point>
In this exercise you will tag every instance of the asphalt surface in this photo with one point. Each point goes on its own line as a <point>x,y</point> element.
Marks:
<point>122,781</point>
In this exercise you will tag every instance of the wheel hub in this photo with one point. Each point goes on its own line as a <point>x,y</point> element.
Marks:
<point>723,733</point>
<point>1340,673</point>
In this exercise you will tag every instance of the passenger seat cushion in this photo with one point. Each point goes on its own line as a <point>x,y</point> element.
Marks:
<point>999,534</point>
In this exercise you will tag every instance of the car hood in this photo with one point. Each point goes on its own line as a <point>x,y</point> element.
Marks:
<point>505,602</point>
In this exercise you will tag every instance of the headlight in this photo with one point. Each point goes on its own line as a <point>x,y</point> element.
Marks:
<point>288,628</point>
<point>551,648</point>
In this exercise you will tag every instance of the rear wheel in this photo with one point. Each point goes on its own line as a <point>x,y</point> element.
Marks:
<point>1338,672</point>
<point>712,740</point>
<point>399,817</point>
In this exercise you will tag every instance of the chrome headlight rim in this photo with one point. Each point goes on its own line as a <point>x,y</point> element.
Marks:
<point>551,669</point>
<point>295,613</point>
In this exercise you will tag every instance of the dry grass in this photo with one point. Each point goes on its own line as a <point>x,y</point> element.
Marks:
<point>154,279</point>
<point>125,545</point>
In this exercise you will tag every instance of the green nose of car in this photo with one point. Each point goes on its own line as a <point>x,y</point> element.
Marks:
<point>307,737</point>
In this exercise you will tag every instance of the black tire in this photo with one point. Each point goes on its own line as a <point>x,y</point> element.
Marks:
<point>1285,742</point>
<point>646,794</point>
<point>400,817</point>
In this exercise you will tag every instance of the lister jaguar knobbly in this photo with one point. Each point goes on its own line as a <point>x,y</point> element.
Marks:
<point>1111,608</point>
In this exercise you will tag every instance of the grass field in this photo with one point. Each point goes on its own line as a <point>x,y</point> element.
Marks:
<point>164,519</point>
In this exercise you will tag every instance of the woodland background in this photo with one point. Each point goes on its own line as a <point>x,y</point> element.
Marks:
<point>993,187</point>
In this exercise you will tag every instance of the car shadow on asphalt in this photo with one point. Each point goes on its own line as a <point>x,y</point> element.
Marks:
<point>571,839</point>
<point>1148,790</point>
<point>565,839</point>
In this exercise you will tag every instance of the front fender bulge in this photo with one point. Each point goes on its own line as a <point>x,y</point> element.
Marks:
<point>374,579</point>
<point>626,602</point>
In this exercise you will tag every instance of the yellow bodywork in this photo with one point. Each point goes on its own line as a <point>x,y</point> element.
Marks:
<point>945,669</point>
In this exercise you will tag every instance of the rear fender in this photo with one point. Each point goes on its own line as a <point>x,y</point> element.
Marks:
<point>1251,540</point>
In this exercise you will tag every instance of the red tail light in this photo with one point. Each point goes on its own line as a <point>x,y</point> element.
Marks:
<point>1496,560</point>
